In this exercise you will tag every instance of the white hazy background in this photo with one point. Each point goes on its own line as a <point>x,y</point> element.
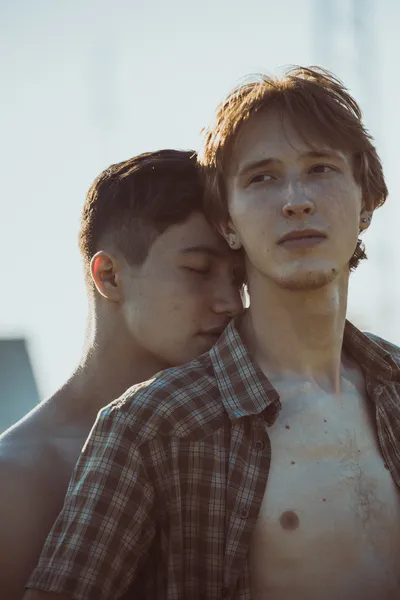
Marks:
<point>88,83</point>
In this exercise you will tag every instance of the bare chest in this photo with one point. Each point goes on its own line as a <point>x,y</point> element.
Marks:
<point>329,525</point>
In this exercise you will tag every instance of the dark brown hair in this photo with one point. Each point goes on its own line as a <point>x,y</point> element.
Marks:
<point>319,106</point>
<point>131,203</point>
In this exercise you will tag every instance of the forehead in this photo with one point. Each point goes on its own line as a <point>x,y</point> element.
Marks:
<point>272,135</point>
<point>194,233</point>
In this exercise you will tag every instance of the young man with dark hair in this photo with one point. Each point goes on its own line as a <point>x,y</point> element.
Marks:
<point>161,288</point>
<point>268,468</point>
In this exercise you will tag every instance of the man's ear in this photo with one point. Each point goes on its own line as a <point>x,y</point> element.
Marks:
<point>104,269</point>
<point>230,234</point>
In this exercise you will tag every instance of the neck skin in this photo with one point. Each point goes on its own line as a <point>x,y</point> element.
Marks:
<point>297,334</point>
<point>110,364</point>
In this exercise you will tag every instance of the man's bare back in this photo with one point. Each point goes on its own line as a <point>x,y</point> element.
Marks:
<point>329,526</point>
<point>37,458</point>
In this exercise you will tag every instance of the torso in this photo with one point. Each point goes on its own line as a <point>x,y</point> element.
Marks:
<point>329,525</point>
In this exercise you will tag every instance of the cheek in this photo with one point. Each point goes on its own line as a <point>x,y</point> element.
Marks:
<point>252,214</point>
<point>179,307</point>
<point>342,208</point>
<point>178,322</point>
<point>163,319</point>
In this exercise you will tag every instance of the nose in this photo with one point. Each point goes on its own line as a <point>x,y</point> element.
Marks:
<point>297,205</point>
<point>227,299</point>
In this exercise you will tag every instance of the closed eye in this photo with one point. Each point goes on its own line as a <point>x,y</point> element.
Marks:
<point>198,271</point>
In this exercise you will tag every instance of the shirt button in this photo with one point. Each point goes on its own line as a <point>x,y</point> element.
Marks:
<point>244,513</point>
<point>259,445</point>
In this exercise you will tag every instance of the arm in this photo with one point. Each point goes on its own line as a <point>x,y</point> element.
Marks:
<point>107,524</point>
<point>18,539</point>
<point>27,513</point>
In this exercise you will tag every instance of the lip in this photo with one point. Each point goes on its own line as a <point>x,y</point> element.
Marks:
<point>303,237</point>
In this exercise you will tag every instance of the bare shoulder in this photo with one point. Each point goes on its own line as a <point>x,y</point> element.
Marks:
<point>33,482</point>
<point>26,446</point>
<point>37,457</point>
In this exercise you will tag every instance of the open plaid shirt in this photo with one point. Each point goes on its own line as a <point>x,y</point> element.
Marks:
<point>166,494</point>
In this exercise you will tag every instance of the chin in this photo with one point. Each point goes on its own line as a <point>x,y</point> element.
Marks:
<point>304,279</point>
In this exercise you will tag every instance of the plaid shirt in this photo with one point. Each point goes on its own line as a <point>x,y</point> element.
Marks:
<point>166,494</point>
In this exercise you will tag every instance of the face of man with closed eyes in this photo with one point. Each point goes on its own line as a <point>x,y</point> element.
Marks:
<point>296,209</point>
<point>182,297</point>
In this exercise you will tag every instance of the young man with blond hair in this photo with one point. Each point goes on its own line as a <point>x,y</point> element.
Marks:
<point>269,468</point>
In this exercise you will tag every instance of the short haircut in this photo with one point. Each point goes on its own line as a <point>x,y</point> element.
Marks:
<point>133,202</point>
<point>320,108</point>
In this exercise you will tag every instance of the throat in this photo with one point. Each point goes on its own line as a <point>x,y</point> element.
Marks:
<point>312,354</point>
<point>297,332</point>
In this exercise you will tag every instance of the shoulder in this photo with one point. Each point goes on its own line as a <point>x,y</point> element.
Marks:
<point>179,402</point>
<point>26,468</point>
<point>20,444</point>
<point>30,459</point>
<point>387,346</point>
<point>22,441</point>
<point>33,482</point>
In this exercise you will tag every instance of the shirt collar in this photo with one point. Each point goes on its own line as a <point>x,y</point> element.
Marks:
<point>244,388</point>
<point>373,358</point>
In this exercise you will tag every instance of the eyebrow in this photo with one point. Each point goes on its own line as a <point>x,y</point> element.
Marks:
<point>202,249</point>
<point>266,162</point>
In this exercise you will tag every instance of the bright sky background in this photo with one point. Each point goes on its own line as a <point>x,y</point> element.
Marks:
<point>87,83</point>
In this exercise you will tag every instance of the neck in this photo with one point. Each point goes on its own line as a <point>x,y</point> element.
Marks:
<point>297,333</point>
<point>110,364</point>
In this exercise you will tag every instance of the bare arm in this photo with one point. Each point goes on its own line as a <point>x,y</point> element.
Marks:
<point>27,512</point>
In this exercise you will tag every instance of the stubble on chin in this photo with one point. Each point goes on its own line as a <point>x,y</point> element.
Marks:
<point>308,281</point>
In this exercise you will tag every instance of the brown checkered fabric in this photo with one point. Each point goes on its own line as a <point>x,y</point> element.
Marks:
<point>164,499</point>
